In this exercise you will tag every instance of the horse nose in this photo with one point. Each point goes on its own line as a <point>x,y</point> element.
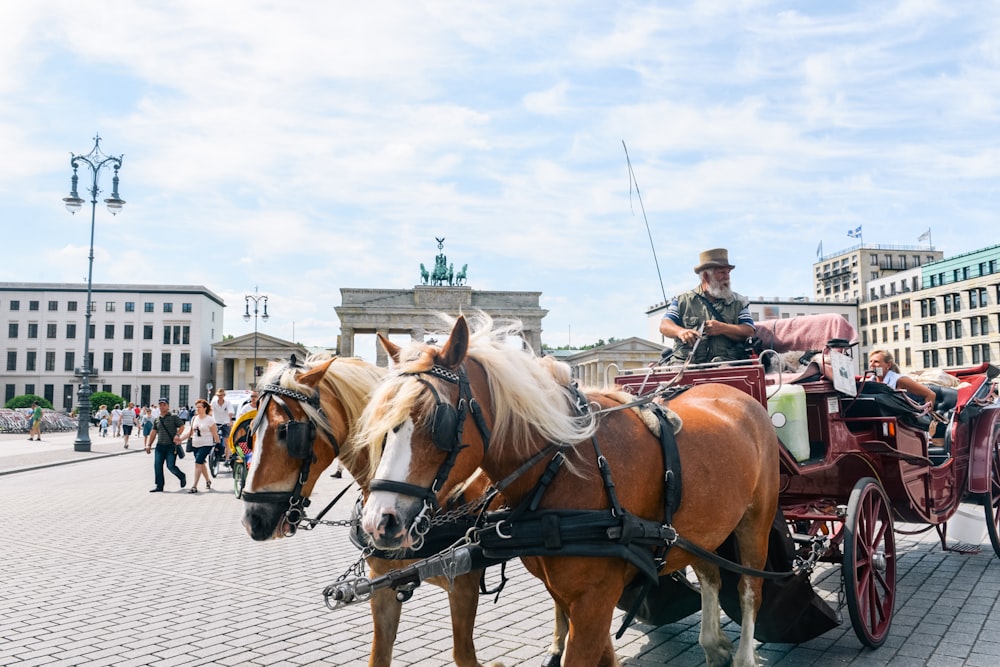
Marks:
<point>388,525</point>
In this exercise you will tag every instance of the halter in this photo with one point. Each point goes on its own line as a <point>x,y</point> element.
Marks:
<point>446,433</point>
<point>299,437</point>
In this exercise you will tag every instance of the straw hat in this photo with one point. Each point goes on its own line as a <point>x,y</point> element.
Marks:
<point>713,259</point>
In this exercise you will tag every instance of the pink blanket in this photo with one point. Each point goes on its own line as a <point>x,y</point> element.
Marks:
<point>807,332</point>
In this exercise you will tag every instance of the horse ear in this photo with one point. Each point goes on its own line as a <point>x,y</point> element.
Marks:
<point>457,346</point>
<point>390,347</point>
<point>312,377</point>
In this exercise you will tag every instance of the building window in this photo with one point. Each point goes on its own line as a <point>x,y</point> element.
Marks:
<point>127,393</point>
<point>15,304</point>
<point>109,361</point>
<point>165,391</point>
<point>185,307</point>
<point>185,362</point>
<point>12,360</point>
<point>12,330</point>
<point>31,361</point>
<point>53,305</point>
<point>70,360</point>
<point>183,395</point>
<point>906,331</point>
<point>29,388</point>
<point>128,331</point>
<point>168,307</point>
<point>165,362</point>
<point>147,362</point>
<point>130,306</point>
<point>9,391</point>
<point>185,335</point>
<point>109,306</point>
<point>71,306</point>
<point>166,334</point>
<point>32,305</point>
<point>176,335</point>
<point>126,362</point>
<point>70,330</point>
<point>93,332</point>
<point>147,307</point>
<point>32,329</point>
<point>905,307</point>
<point>50,330</point>
<point>50,361</point>
<point>109,331</point>
<point>147,332</point>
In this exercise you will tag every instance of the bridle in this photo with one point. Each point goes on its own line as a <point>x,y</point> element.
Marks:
<point>447,425</point>
<point>299,437</point>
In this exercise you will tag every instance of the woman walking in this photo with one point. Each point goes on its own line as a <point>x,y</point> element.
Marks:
<point>128,421</point>
<point>203,433</point>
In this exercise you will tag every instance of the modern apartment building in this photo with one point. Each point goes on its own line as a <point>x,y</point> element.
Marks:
<point>146,341</point>
<point>844,275</point>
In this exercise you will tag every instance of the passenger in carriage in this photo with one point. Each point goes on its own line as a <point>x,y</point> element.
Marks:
<point>724,313</point>
<point>887,372</point>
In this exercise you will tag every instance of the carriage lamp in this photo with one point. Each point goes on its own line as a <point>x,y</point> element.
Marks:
<point>95,160</point>
<point>258,300</point>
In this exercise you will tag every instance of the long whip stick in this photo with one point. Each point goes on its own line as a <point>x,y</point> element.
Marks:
<point>633,182</point>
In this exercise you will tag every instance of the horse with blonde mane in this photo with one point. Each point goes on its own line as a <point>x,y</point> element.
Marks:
<point>728,454</point>
<point>305,419</point>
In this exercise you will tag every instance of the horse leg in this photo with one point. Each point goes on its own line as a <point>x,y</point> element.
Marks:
<point>463,599</point>
<point>386,610</point>
<point>553,657</point>
<point>750,596</point>
<point>717,647</point>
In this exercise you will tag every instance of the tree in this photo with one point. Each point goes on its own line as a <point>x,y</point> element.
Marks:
<point>99,398</point>
<point>26,400</point>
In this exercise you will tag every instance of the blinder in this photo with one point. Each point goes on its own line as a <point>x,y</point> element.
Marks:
<point>299,437</point>
<point>447,422</point>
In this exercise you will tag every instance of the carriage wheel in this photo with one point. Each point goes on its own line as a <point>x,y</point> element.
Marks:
<point>239,478</point>
<point>992,502</point>
<point>869,562</point>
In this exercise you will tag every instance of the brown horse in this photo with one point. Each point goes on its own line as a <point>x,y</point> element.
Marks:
<point>329,393</point>
<point>728,452</point>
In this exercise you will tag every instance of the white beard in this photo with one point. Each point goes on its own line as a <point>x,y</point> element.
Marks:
<point>719,289</point>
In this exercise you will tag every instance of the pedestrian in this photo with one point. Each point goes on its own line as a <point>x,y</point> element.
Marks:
<point>36,422</point>
<point>128,421</point>
<point>722,315</point>
<point>104,427</point>
<point>101,413</point>
<point>165,430</point>
<point>203,433</point>
<point>222,410</point>
<point>251,404</point>
<point>116,421</point>
<point>184,414</point>
<point>146,421</point>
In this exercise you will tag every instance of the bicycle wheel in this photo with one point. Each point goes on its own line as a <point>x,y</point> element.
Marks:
<point>239,478</point>
<point>213,462</point>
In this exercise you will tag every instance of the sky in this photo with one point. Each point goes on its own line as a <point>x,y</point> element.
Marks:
<point>299,147</point>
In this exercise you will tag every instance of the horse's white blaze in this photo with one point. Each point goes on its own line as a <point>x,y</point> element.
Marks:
<point>257,446</point>
<point>395,466</point>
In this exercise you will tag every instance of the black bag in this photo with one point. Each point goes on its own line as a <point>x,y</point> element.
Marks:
<point>189,447</point>
<point>179,451</point>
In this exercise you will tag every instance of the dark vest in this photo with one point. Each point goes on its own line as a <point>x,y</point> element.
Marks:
<point>693,312</point>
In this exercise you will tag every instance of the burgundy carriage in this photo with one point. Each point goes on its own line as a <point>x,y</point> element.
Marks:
<point>852,466</point>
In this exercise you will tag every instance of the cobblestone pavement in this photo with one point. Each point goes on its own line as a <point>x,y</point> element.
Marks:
<point>96,571</point>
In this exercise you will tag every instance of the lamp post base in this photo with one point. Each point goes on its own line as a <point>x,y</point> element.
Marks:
<point>81,445</point>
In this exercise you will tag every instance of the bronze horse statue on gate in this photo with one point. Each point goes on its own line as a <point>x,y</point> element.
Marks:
<point>727,447</point>
<point>329,393</point>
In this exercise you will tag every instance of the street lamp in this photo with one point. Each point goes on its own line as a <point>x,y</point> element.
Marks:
<point>96,160</point>
<point>257,299</point>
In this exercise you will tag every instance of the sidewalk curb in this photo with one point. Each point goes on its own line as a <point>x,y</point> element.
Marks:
<point>53,464</point>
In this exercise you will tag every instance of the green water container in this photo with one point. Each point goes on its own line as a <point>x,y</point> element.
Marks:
<point>787,408</point>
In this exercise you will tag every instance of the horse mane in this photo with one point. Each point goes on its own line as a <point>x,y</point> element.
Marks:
<point>348,379</point>
<point>530,397</point>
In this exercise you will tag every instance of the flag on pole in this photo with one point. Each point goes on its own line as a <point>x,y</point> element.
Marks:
<point>925,236</point>
<point>819,250</point>
<point>855,233</point>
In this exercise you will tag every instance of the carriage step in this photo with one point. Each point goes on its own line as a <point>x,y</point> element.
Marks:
<point>962,548</point>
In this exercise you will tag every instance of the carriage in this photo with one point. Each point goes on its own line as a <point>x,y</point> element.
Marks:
<point>855,460</point>
<point>849,465</point>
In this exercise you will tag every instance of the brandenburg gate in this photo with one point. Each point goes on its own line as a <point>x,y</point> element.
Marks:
<point>414,311</point>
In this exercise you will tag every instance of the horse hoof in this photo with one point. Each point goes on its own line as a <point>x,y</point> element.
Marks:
<point>552,660</point>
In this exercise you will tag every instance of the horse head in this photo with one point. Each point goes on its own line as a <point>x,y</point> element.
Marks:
<point>427,430</point>
<point>303,421</point>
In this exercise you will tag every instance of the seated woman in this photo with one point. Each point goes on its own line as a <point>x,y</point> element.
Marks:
<point>887,372</point>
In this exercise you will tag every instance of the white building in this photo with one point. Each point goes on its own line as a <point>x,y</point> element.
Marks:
<point>146,341</point>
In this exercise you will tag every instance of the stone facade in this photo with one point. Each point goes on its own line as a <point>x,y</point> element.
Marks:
<point>414,311</point>
<point>235,358</point>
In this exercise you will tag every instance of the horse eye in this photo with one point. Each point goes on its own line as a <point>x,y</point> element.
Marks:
<point>395,429</point>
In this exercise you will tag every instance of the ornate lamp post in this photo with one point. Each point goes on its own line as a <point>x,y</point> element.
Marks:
<point>96,160</point>
<point>257,300</point>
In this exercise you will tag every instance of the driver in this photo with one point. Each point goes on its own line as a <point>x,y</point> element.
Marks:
<point>723,312</point>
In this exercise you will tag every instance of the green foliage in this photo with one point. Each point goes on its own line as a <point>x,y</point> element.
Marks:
<point>99,398</point>
<point>26,400</point>
<point>600,343</point>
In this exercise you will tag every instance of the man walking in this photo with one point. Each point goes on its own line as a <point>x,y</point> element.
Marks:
<point>165,431</point>
<point>36,422</point>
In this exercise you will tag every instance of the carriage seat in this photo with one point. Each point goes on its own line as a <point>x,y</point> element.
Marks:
<point>875,399</point>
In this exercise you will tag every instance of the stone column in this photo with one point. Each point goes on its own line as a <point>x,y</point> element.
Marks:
<point>241,371</point>
<point>346,342</point>
<point>418,333</point>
